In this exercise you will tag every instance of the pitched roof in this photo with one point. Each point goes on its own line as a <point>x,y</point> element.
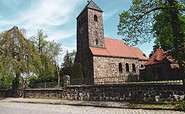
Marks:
<point>159,57</point>
<point>92,5</point>
<point>117,48</point>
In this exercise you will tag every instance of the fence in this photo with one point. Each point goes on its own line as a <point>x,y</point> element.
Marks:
<point>46,85</point>
<point>122,80</point>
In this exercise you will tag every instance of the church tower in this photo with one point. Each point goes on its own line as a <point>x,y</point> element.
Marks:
<point>90,26</point>
<point>90,33</point>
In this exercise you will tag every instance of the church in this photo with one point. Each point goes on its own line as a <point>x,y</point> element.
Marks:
<point>104,60</point>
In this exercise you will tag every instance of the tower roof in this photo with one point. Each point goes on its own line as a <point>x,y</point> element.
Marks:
<point>92,5</point>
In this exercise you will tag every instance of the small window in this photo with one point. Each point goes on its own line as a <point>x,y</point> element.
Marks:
<point>120,67</point>
<point>133,67</point>
<point>142,66</point>
<point>97,42</point>
<point>95,18</point>
<point>127,67</point>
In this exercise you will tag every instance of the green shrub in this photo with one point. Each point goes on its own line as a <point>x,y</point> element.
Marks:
<point>181,105</point>
<point>76,73</point>
<point>32,81</point>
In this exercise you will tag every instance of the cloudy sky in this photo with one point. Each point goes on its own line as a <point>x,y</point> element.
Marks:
<point>58,18</point>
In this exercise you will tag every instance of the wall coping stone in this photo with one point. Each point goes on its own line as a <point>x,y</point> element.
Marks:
<point>123,85</point>
<point>45,89</point>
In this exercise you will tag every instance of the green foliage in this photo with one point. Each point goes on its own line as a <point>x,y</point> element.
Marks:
<point>32,81</point>
<point>136,24</point>
<point>76,72</point>
<point>67,64</point>
<point>7,79</point>
<point>49,52</point>
<point>163,19</point>
<point>13,50</point>
<point>181,105</point>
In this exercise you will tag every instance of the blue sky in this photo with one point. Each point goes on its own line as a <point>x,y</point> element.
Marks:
<point>58,18</point>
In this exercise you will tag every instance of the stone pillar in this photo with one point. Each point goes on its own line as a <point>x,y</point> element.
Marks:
<point>66,80</point>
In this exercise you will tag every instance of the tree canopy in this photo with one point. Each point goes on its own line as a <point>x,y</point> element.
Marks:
<point>147,18</point>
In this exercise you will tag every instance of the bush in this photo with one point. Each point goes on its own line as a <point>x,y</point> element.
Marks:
<point>76,74</point>
<point>32,81</point>
<point>181,105</point>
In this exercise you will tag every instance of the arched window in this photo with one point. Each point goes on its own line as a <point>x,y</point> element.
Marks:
<point>97,42</point>
<point>95,18</point>
<point>133,67</point>
<point>120,67</point>
<point>142,66</point>
<point>127,67</point>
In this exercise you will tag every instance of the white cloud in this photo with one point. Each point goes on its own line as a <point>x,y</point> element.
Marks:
<point>109,14</point>
<point>45,14</point>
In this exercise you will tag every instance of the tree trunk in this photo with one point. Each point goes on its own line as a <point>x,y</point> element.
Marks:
<point>15,86</point>
<point>58,72</point>
<point>178,35</point>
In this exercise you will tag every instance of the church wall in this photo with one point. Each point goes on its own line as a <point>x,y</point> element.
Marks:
<point>106,69</point>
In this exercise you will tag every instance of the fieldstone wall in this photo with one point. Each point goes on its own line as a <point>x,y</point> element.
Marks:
<point>106,69</point>
<point>125,92</point>
<point>5,93</point>
<point>122,92</point>
<point>44,93</point>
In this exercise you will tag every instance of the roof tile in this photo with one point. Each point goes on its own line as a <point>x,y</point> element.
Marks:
<point>117,48</point>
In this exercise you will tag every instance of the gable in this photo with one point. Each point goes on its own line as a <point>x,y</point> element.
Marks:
<point>159,57</point>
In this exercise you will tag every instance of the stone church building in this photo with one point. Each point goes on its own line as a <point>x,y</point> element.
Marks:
<point>104,60</point>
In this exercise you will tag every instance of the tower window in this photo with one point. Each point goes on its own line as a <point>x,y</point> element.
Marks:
<point>95,18</point>
<point>127,67</point>
<point>133,67</point>
<point>97,42</point>
<point>120,67</point>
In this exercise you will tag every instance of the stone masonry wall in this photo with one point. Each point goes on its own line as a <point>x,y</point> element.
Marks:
<point>125,92</point>
<point>122,92</point>
<point>106,69</point>
<point>44,93</point>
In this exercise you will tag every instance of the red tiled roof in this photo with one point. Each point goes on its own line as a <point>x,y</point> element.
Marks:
<point>159,57</point>
<point>139,53</point>
<point>117,48</point>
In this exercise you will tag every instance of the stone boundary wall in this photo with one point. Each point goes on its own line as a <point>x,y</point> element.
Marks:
<point>139,92</point>
<point>5,92</point>
<point>44,93</point>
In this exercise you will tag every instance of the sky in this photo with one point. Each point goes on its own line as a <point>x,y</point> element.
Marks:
<point>57,18</point>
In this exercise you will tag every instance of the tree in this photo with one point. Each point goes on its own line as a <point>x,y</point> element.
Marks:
<point>13,50</point>
<point>54,51</point>
<point>40,40</point>
<point>76,73</point>
<point>50,52</point>
<point>163,32</point>
<point>67,64</point>
<point>136,24</point>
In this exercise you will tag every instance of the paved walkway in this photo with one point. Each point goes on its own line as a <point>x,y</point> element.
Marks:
<point>68,102</point>
<point>7,107</point>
